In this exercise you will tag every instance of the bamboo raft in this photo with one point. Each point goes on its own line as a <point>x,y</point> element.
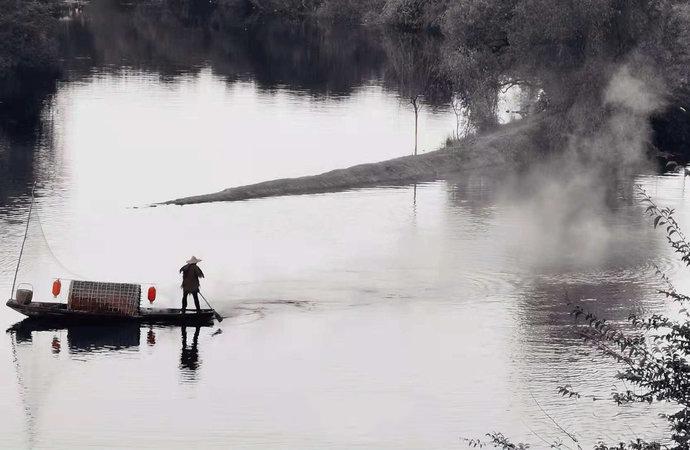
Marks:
<point>59,313</point>
<point>93,302</point>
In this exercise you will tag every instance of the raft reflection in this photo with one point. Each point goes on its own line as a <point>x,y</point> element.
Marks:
<point>83,338</point>
<point>104,338</point>
<point>45,354</point>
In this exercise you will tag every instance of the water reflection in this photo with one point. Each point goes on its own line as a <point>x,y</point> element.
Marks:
<point>84,340</point>
<point>448,294</point>
<point>47,358</point>
<point>318,61</point>
<point>17,163</point>
<point>81,338</point>
<point>189,356</point>
<point>106,339</point>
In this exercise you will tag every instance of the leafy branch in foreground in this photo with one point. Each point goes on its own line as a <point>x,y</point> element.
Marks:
<point>655,354</point>
<point>496,440</point>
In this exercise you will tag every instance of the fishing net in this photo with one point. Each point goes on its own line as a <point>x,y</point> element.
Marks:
<point>39,266</point>
<point>57,242</point>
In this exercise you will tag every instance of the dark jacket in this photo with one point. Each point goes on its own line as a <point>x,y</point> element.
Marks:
<point>190,277</point>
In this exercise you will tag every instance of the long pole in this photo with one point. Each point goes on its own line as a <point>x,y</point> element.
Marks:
<point>218,317</point>
<point>26,232</point>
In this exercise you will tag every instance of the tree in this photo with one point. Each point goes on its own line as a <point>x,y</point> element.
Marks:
<point>416,71</point>
<point>27,36</point>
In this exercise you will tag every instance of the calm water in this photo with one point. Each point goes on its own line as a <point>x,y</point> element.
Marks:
<point>380,318</point>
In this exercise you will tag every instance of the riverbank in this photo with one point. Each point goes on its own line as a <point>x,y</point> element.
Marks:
<point>502,147</point>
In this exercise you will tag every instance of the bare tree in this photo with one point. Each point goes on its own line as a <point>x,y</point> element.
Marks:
<point>414,100</point>
<point>412,62</point>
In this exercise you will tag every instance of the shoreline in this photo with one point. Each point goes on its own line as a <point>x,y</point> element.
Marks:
<point>500,147</point>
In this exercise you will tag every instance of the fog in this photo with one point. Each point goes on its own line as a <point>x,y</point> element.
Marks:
<point>565,203</point>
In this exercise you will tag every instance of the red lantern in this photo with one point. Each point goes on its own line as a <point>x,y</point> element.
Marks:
<point>57,287</point>
<point>152,294</point>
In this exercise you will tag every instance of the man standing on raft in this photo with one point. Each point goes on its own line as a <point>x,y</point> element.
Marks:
<point>190,282</point>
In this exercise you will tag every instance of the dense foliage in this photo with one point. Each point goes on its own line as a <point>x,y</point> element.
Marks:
<point>27,36</point>
<point>563,52</point>
<point>28,59</point>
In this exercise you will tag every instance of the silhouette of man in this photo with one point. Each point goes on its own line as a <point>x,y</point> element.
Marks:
<point>190,282</point>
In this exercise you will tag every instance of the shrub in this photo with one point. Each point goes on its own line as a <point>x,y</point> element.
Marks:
<point>414,15</point>
<point>27,36</point>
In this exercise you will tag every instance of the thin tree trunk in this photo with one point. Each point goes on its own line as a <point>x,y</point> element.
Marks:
<point>416,117</point>
<point>415,105</point>
<point>456,109</point>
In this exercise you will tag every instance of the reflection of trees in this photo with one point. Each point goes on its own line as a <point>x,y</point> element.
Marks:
<point>28,73</point>
<point>306,56</point>
<point>24,130</point>
<point>414,70</point>
<point>303,56</point>
<point>16,165</point>
<point>549,351</point>
<point>475,192</point>
<point>21,130</point>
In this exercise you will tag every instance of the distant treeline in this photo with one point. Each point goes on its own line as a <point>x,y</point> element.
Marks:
<point>563,52</point>
<point>466,52</point>
<point>27,36</point>
<point>29,60</point>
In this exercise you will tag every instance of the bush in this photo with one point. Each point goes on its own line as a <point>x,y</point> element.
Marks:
<point>478,24</point>
<point>414,15</point>
<point>27,36</point>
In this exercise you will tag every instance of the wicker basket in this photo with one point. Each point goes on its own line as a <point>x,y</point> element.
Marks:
<point>121,299</point>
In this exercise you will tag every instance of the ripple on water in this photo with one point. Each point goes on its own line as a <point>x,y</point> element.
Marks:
<point>248,311</point>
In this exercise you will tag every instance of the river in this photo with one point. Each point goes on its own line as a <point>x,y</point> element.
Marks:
<point>392,317</point>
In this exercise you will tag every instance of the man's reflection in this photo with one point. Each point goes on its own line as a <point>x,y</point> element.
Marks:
<point>189,357</point>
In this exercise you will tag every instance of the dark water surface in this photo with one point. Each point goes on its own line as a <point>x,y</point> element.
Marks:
<point>379,318</point>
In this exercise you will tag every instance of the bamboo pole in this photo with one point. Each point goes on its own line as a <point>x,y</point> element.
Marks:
<point>26,232</point>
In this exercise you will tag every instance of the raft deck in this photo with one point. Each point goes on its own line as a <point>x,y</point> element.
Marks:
<point>58,312</point>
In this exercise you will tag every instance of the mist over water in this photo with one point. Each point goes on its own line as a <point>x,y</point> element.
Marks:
<point>566,202</point>
<point>405,317</point>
